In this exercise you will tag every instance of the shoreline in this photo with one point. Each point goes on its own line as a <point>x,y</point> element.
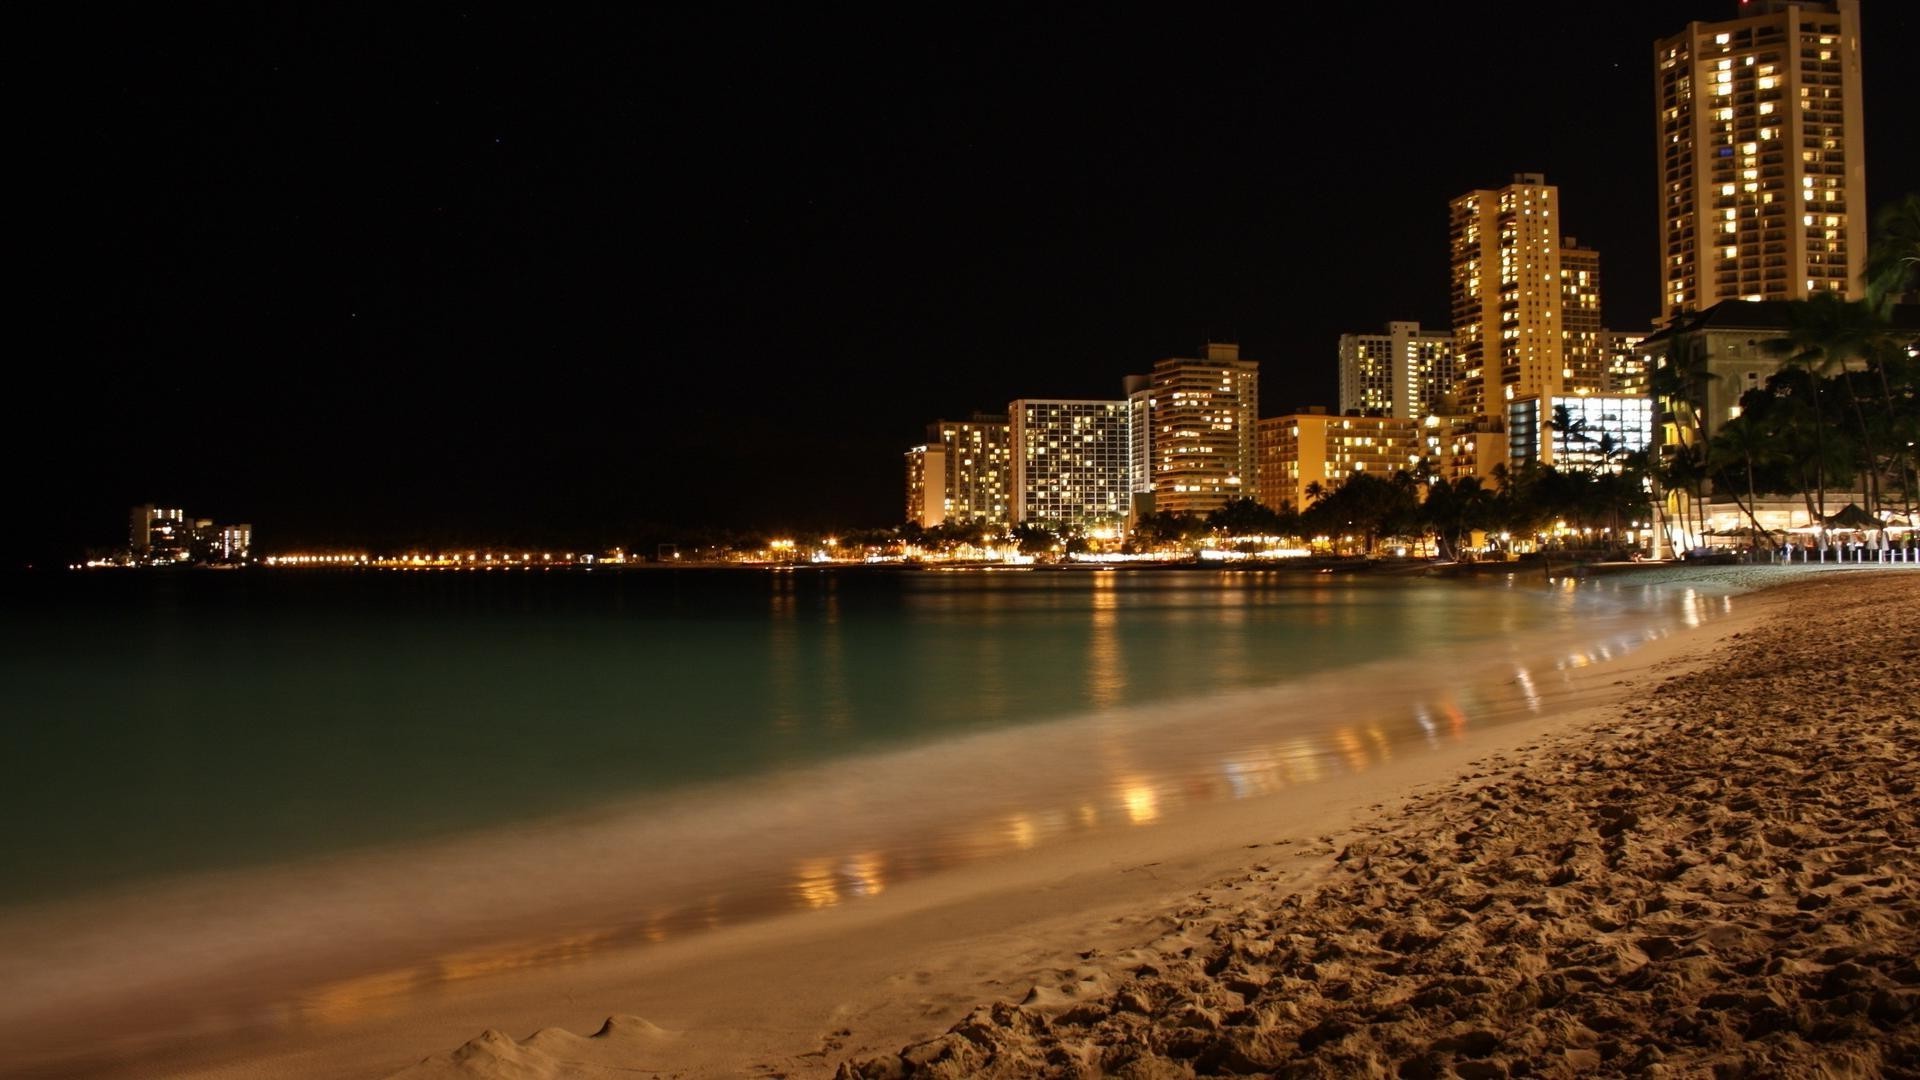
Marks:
<point>1121,874</point>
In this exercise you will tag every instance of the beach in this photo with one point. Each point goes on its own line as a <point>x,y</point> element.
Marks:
<point>1713,820</point>
<point>1712,874</point>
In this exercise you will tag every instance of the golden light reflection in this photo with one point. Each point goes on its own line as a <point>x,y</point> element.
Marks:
<point>1351,748</point>
<point>814,884</point>
<point>351,999</point>
<point>1142,803</point>
<point>1020,832</point>
<point>1525,679</point>
<point>1106,674</point>
<point>866,874</point>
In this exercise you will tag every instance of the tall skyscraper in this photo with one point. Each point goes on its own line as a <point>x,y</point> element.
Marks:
<point>1507,294</point>
<point>1762,163</point>
<point>1070,462</point>
<point>1402,373</point>
<point>1581,329</point>
<point>1200,416</point>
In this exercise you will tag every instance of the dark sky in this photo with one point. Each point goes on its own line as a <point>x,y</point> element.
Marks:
<point>383,276</point>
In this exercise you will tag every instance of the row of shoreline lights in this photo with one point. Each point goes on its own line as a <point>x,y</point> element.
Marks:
<point>468,559</point>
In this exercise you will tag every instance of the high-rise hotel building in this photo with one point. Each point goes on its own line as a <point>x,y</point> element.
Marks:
<point>1070,462</point>
<point>1508,294</point>
<point>1762,167</point>
<point>1404,373</point>
<point>1198,443</point>
<point>964,472</point>
<point>1582,333</point>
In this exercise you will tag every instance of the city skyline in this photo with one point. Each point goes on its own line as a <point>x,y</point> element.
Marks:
<point>440,275</point>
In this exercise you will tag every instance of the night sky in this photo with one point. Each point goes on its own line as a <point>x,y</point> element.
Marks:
<point>395,276</point>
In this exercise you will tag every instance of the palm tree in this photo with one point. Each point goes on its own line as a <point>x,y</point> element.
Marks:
<point>1823,334</point>
<point>1742,442</point>
<point>1893,261</point>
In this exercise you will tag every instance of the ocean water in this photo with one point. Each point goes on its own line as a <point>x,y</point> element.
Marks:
<point>159,725</point>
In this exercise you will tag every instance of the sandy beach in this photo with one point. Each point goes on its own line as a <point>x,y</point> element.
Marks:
<point>1712,875</point>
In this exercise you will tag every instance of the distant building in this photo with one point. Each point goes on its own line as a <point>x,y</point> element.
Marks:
<point>1508,294</point>
<point>1584,432</point>
<point>1405,373</point>
<point>1581,328</point>
<point>1199,442</point>
<point>159,535</point>
<point>1070,462</point>
<point>232,543</point>
<point>1626,362</point>
<point>1314,447</point>
<point>927,485</point>
<point>165,536</point>
<point>1762,167</point>
<point>979,467</point>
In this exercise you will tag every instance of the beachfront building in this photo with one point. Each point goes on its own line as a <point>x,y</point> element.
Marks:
<point>962,473</point>
<point>1071,462</point>
<point>1508,296</point>
<point>1404,373</point>
<point>1317,450</point>
<point>1762,167</point>
<point>1194,429</point>
<point>926,485</point>
<point>1585,432</point>
<point>159,534</point>
<point>1585,370</point>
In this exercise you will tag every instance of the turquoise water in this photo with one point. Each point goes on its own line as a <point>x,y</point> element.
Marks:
<point>158,724</point>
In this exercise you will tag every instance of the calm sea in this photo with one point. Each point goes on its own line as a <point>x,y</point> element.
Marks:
<point>161,724</point>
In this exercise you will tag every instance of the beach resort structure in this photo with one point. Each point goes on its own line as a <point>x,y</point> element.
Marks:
<point>1193,429</point>
<point>166,536</point>
<point>1070,462</point>
<point>1762,168</point>
<point>1406,372</point>
<point>964,472</point>
<point>1509,299</point>
<point>1315,450</point>
<point>1581,330</point>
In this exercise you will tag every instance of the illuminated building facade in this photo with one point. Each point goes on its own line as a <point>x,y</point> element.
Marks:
<point>1507,294</point>
<point>1070,462</point>
<point>1315,447</point>
<point>1458,447</point>
<point>1762,164</point>
<point>1405,373</point>
<point>979,466</point>
<point>927,485</point>
<point>157,534</point>
<point>1200,439</point>
<point>963,472</point>
<point>1626,362</point>
<point>1581,328</point>
<point>1586,432</point>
